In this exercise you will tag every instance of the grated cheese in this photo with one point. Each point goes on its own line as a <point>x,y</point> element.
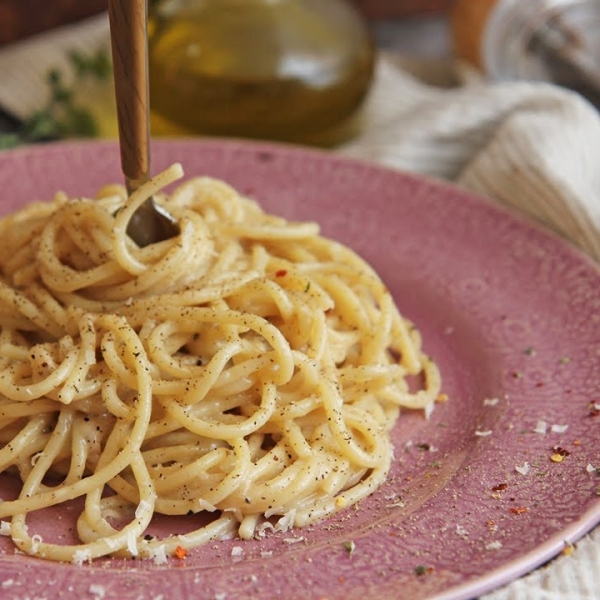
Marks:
<point>204,505</point>
<point>159,555</point>
<point>461,531</point>
<point>132,543</point>
<point>36,540</point>
<point>294,540</point>
<point>81,556</point>
<point>97,590</point>
<point>4,528</point>
<point>493,545</point>
<point>428,410</point>
<point>286,522</point>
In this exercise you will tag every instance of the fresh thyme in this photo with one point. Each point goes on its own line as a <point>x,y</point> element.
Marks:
<point>63,116</point>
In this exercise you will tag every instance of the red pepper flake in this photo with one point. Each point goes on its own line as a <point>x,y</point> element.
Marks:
<point>180,552</point>
<point>594,408</point>
<point>281,273</point>
<point>559,454</point>
<point>519,510</point>
<point>539,384</point>
<point>499,487</point>
<point>491,525</point>
<point>421,570</point>
<point>568,549</point>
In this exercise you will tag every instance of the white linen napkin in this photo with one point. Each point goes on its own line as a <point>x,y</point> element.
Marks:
<point>531,146</point>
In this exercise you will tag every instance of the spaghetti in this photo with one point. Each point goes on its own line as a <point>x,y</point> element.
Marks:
<point>249,368</point>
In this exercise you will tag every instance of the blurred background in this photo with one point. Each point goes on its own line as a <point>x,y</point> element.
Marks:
<point>21,18</point>
<point>293,70</point>
<point>302,79</point>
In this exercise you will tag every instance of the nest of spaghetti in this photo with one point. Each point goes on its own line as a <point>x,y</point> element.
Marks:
<point>248,368</point>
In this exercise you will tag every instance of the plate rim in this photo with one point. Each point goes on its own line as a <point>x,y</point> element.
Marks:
<point>517,567</point>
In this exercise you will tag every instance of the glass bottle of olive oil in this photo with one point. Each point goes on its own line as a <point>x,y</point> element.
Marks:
<point>288,70</point>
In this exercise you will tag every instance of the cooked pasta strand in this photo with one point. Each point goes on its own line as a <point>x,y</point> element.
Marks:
<point>249,368</point>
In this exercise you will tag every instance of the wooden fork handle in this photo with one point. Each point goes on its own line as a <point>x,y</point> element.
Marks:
<point>129,40</point>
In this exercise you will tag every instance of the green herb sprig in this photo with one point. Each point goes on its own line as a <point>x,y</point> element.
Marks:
<point>62,116</point>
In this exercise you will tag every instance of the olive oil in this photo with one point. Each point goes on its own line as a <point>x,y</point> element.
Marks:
<point>292,70</point>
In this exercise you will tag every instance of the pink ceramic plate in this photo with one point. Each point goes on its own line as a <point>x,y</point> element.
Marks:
<point>474,499</point>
